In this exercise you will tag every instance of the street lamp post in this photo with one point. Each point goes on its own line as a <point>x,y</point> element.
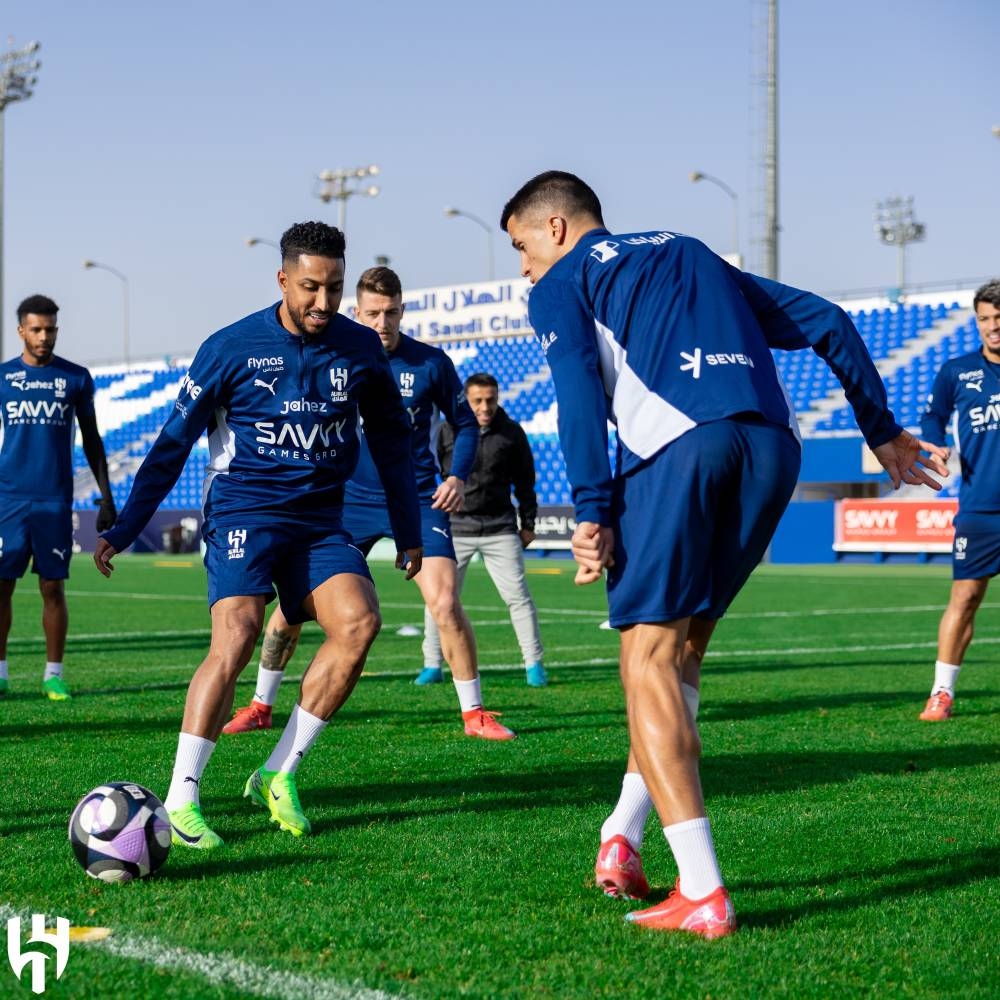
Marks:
<point>339,185</point>
<point>697,175</point>
<point>17,78</point>
<point>896,227</point>
<point>252,241</point>
<point>455,212</point>
<point>87,264</point>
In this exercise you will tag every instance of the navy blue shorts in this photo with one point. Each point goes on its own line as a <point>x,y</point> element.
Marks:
<point>975,552</point>
<point>39,529</point>
<point>692,523</point>
<point>297,557</point>
<point>366,523</point>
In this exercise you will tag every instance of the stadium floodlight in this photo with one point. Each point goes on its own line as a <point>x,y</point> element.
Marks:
<point>252,241</point>
<point>698,175</point>
<point>17,80</point>
<point>87,265</point>
<point>456,212</point>
<point>896,227</point>
<point>339,185</point>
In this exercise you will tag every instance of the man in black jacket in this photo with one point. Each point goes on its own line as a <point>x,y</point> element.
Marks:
<point>488,522</point>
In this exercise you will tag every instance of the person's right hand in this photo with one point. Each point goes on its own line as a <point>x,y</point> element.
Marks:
<point>104,552</point>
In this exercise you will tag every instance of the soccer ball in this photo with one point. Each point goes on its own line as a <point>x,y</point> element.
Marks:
<point>120,831</point>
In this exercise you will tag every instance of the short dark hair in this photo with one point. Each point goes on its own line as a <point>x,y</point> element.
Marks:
<point>484,379</point>
<point>556,189</point>
<point>380,280</point>
<point>40,305</point>
<point>990,292</point>
<point>315,239</point>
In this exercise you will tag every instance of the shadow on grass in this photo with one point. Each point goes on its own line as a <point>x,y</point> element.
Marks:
<point>906,877</point>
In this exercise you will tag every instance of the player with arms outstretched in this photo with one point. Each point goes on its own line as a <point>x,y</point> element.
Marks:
<point>655,332</point>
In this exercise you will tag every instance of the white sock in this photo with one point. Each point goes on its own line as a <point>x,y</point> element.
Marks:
<point>945,675</point>
<point>3,671</point>
<point>193,754</point>
<point>629,817</point>
<point>298,736</point>
<point>469,694</point>
<point>52,670</point>
<point>694,852</point>
<point>268,682</point>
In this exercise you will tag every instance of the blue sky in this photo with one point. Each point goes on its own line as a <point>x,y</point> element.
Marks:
<point>161,136</point>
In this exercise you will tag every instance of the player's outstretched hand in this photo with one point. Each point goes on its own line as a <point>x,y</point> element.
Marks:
<point>449,496</point>
<point>411,560</point>
<point>593,548</point>
<point>904,459</point>
<point>103,554</point>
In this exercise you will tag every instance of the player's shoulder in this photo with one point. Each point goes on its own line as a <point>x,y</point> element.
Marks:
<point>969,365</point>
<point>347,332</point>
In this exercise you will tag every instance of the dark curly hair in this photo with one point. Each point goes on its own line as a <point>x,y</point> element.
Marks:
<point>316,239</point>
<point>40,305</point>
<point>990,292</point>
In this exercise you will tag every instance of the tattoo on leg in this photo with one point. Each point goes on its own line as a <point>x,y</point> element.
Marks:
<point>277,650</point>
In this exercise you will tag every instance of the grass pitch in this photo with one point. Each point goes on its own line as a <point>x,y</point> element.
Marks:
<point>861,846</point>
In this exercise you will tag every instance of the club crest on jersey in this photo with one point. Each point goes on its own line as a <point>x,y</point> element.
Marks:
<point>604,251</point>
<point>338,384</point>
<point>406,380</point>
<point>60,388</point>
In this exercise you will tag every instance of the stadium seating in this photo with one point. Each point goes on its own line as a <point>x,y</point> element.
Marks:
<point>909,343</point>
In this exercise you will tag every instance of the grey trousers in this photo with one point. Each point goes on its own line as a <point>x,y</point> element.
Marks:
<point>504,560</point>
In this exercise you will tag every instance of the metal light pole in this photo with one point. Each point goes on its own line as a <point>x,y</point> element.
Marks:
<point>896,227</point>
<point>335,185</point>
<point>17,69</point>
<point>252,241</point>
<point>698,175</point>
<point>87,264</point>
<point>453,212</point>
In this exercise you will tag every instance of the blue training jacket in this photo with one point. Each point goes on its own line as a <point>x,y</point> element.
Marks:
<point>969,385</point>
<point>427,381</point>
<point>658,334</point>
<point>281,411</point>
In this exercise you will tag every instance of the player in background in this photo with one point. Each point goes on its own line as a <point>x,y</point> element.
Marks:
<point>280,393</point>
<point>428,382</point>
<point>39,394</point>
<point>487,524</point>
<point>657,333</point>
<point>969,386</point>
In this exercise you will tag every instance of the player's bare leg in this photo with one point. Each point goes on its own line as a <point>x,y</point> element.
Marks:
<point>665,744</point>
<point>277,647</point>
<point>954,635</point>
<point>6,619</point>
<point>236,623</point>
<point>55,624</point>
<point>346,608</point>
<point>438,583</point>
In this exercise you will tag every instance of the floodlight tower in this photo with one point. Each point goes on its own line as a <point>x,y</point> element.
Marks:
<point>339,185</point>
<point>896,227</point>
<point>17,78</point>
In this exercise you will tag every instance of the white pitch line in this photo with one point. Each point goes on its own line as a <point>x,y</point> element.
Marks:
<point>219,969</point>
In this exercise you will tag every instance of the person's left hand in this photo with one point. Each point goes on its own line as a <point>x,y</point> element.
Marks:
<point>593,550</point>
<point>411,560</point>
<point>449,495</point>
<point>527,537</point>
<point>902,458</point>
<point>106,515</point>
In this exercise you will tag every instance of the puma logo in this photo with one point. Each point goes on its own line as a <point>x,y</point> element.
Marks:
<point>266,385</point>
<point>440,531</point>
<point>61,553</point>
